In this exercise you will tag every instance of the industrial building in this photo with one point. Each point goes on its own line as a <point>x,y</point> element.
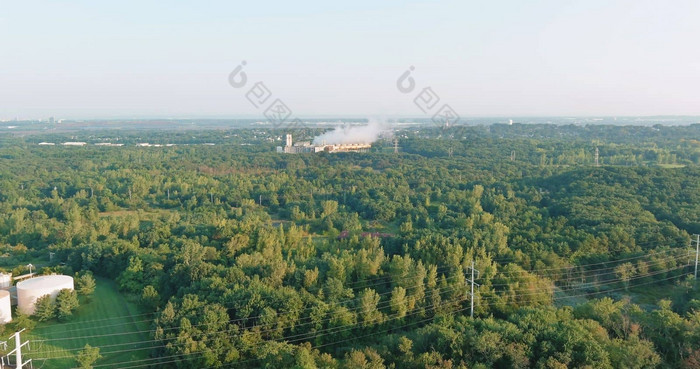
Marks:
<point>28,291</point>
<point>307,147</point>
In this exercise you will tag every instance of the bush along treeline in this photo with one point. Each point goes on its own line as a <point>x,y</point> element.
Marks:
<point>251,258</point>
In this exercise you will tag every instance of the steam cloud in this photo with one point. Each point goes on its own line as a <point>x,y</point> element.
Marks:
<point>348,134</point>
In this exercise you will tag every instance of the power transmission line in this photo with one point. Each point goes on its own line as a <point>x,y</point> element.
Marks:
<point>204,324</point>
<point>327,331</point>
<point>597,273</point>
<point>304,336</point>
<point>581,272</point>
<point>198,353</point>
<point>303,321</point>
<point>697,251</point>
<point>393,280</point>
<point>379,306</point>
<point>379,280</point>
<point>373,334</point>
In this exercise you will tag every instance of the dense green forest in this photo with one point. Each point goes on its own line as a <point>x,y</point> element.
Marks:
<point>239,256</point>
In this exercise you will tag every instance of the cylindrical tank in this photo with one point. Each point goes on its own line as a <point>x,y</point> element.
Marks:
<point>5,280</point>
<point>31,289</point>
<point>5,307</point>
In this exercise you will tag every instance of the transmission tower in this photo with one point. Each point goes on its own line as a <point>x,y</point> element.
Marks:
<point>18,351</point>
<point>597,155</point>
<point>449,152</point>
<point>512,155</point>
<point>396,146</point>
<point>472,282</point>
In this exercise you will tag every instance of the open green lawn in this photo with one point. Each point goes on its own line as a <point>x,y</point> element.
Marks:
<point>107,315</point>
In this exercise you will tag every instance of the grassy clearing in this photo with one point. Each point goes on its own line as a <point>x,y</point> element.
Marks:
<point>646,294</point>
<point>108,316</point>
<point>564,299</point>
<point>671,166</point>
<point>120,213</point>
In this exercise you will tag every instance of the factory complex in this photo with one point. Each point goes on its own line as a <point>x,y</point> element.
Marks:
<point>307,147</point>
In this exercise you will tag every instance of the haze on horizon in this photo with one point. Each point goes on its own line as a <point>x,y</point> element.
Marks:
<point>83,59</point>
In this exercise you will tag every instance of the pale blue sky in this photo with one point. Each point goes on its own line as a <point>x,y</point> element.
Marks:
<point>83,59</point>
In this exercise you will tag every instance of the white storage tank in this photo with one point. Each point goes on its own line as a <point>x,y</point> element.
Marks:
<point>5,307</point>
<point>31,289</point>
<point>5,280</point>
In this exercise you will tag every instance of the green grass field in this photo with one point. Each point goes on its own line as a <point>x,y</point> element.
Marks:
<point>107,315</point>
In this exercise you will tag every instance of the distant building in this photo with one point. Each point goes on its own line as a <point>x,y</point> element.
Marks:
<point>74,143</point>
<point>46,143</point>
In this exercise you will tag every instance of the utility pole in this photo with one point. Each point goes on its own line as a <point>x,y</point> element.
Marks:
<point>471,281</point>
<point>18,351</point>
<point>697,251</point>
<point>597,155</point>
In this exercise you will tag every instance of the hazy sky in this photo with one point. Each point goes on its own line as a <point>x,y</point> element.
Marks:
<point>83,59</point>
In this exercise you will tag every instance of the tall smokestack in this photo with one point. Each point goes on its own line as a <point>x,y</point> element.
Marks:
<point>289,140</point>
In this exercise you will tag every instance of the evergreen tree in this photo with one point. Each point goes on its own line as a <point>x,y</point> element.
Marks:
<point>45,308</point>
<point>88,356</point>
<point>150,298</point>
<point>66,303</point>
<point>85,284</point>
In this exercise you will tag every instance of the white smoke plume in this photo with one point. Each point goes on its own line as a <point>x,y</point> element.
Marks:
<point>348,134</point>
